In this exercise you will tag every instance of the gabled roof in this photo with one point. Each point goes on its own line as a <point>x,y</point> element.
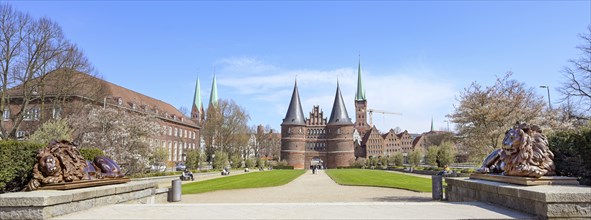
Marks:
<point>295,114</point>
<point>104,92</point>
<point>339,115</point>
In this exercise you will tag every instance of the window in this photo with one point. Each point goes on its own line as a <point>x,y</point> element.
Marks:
<point>169,150</point>
<point>56,112</point>
<point>175,156</point>
<point>6,114</point>
<point>170,131</point>
<point>176,132</point>
<point>119,101</point>
<point>20,135</point>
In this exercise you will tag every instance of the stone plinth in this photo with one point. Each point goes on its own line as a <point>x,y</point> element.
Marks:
<point>527,181</point>
<point>49,203</point>
<point>544,201</point>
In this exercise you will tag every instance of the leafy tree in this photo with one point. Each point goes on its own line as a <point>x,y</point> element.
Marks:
<point>577,87</point>
<point>236,161</point>
<point>192,159</point>
<point>220,160</point>
<point>398,159</point>
<point>384,162</point>
<point>431,158</point>
<point>56,129</point>
<point>414,157</point>
<point>485,113</point>
<point>261,163</point>
<point>446,154</point>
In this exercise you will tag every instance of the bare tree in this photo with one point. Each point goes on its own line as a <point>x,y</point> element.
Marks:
<point>484,114</point>
<point>226,128</point>
<point>31,49</point>
<point>577,88</point>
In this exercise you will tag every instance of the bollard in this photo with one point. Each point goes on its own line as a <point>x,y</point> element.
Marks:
<point>174,195</point>
<point>437,187</point>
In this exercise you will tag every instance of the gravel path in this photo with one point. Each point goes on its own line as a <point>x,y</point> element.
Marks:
<point>309,188</point>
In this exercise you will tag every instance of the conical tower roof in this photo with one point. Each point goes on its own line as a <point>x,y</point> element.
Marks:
<point>339,115</point>
<point>295,114</point>
<point>360,94</point>
<point>213,98</point>
<point>197,103</point>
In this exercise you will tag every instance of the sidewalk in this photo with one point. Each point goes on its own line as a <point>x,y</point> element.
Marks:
<point>310,196</point>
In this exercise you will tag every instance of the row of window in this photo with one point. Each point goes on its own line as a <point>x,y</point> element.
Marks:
<point>175,148</point>
<point>316,145</point>
<point>32,113</point>
<point>178,132</point>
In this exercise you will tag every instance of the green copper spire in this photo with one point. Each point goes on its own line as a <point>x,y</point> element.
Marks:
<point>197,103</point>
<point>360,95</point>
<point>213,98</point>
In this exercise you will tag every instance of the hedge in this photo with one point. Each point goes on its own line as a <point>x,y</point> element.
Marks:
<point>16,162</point>
<point>283,167</point>
<point>572,153</point>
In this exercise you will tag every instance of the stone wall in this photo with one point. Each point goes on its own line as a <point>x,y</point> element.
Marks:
<point>43,204</point>
<point>547,201</point>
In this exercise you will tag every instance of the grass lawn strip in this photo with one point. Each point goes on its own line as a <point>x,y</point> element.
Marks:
<point>250,180</point>
<point>380,178</point>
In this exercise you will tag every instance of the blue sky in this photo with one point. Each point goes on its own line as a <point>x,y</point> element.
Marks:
<point>415,56</point>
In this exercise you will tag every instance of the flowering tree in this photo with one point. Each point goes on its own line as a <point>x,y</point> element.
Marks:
<point>122,135</point>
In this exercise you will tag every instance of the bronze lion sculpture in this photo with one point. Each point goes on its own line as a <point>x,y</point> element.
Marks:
<point>61,162</point>
<point>524,153</point>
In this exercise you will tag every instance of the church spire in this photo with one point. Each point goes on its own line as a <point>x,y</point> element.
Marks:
<point>339,113</point>
<point>197,111</point>
<point>197,97</point>
<point>213,98</point>
<point>360,94</point>
<point>295,114</point>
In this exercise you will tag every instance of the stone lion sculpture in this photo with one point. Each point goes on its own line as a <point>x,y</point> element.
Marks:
<point>62,162</point>
<point>524,153</point>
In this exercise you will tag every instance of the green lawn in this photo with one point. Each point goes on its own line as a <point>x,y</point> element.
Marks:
<point>361,177</point>
<point>250,180</point>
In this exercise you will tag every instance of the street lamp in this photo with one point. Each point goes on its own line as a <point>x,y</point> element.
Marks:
<point>548,89</point>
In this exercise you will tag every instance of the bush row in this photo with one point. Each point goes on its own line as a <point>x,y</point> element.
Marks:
<point>16,164</point>
<point>283,167</point>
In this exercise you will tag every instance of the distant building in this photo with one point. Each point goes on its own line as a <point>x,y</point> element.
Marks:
<point>178,133</point>
<point>315,140</point>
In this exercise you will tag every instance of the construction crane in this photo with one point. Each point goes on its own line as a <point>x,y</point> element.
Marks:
<point>371,111</point>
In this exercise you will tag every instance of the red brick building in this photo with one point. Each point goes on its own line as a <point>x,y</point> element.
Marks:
<point>178,133</point>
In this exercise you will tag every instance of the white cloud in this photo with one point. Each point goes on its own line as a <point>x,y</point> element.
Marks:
<point>265,90</point>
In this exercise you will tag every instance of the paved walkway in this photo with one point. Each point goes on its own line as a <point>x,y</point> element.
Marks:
<point>307,197</point>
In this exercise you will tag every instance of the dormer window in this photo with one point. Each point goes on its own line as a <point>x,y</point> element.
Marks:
<point>119,101</point>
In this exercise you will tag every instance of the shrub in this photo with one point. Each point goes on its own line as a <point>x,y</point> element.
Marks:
<point>90,153</point>
<point>281,167</point>
<point>357,163</point>
<point>16,162</point>
<point>55,129</point>
<point>572,153</point>
<point>249,163</point>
